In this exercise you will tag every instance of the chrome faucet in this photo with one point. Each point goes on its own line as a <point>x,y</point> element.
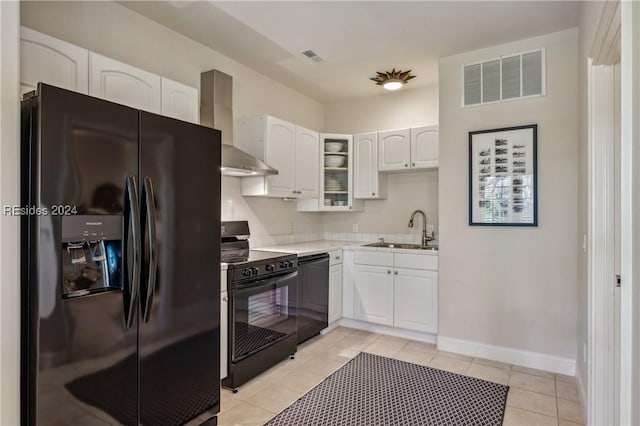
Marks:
<point>425,238</point>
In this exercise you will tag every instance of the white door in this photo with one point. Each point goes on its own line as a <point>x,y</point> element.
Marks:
<point>394,150</point>
<point>365,165</point>
<point>46,59</point>
<point>124,84</point>
<point>180,101</point>
<point>335,293</point>
<point>280,153</point>
<point>415,300</point>
<point>307,162</point>
<point>424,147</point>
<point>373,294</point>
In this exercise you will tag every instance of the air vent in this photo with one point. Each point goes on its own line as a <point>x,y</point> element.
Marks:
<point>313,56</point>
<point>516,76</point>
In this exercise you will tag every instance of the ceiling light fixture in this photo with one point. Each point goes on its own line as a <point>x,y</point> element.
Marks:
<point>392,80</point>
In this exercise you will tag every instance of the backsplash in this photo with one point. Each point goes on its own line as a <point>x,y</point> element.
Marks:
<point>275,240</point>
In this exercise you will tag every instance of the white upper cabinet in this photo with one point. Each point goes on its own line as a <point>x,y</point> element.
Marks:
<point>424,147</point>
<point>367,182</point>
<point>124,84</point>
<point>49,60</point>
<point>394,150</point>
<point>280,153</point>
<point>307,162</point>
<point>293,151</point>
<point>408,149</point>
<point>180,101</point>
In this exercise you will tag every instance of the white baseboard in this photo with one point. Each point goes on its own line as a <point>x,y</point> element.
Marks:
<point>391,331</point>
<point>524,358</point>
<point>582,391</point>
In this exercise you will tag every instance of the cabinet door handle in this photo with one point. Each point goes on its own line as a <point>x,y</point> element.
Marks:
<point>225,298</point>
<point>413,164</point>
<point>389,272</point>
<point>373,193</point>
<point>406,165</point>
<point>350,207</point>
<point>395,273</point>
<point>337,257</point>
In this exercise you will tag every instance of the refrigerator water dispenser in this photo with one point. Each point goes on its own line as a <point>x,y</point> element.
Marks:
<point>91,254</point>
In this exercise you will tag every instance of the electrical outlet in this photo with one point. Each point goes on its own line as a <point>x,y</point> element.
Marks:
<point>354,228</point>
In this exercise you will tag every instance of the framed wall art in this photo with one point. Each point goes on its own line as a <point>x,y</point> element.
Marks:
<point>503,177</point>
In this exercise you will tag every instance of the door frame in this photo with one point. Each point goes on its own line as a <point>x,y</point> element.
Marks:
<point>630,211</point>
<point>601,316</point>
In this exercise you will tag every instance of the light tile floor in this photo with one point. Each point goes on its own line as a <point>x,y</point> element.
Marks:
<point>535,397</point>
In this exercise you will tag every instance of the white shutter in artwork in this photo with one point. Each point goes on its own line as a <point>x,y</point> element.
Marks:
<point>508,77</point>
<point>472,84</point>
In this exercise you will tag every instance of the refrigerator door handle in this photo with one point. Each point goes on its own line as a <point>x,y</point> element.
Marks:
<point>149,211</point>
<point>131,227</point>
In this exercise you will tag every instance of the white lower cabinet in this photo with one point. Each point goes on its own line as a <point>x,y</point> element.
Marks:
<point>335,285</point>
<point>335,293</point>
<point>373,287</point>
<point>415,300</point>
<point>398,290</point>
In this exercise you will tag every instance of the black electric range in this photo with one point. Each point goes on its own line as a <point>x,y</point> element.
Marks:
<point>263,305</point>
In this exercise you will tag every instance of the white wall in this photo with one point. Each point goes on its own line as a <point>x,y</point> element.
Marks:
<point>407,107</point>
<point>117,32</point>
<point>9,226</point>
<point>512,287</point>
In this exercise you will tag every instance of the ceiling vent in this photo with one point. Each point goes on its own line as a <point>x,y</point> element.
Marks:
<point>313,56</point>
<point>515,76</point>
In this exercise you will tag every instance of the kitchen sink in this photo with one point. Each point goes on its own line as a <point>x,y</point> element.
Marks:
<point>402,246</point>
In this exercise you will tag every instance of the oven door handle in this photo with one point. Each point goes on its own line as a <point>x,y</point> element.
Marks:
<point>274,282</point>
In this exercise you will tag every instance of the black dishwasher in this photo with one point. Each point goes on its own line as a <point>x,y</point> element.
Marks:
<point>313,295</point>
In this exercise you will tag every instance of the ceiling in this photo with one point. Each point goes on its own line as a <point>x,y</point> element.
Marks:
<point>356,39</point>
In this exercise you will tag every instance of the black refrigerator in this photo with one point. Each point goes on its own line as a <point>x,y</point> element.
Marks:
<point>120,264</point>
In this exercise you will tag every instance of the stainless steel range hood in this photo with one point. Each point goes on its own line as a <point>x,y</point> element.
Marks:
<point>216,100</point>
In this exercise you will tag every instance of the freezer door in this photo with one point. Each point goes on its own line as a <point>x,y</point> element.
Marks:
<point>180,286</point>
<point>78,259</point>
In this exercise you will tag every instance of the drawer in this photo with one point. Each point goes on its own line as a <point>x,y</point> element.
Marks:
<point>415,261</point>
<point>373,258</point>
<point>335,257</point>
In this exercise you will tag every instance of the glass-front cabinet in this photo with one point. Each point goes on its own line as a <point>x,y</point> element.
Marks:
<point>336,174</point>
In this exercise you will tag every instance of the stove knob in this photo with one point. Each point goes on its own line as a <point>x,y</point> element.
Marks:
<point>246,272</point>
<point>255,271</point>
<point>283,264</point>
<point>270,268</point>
<point>289,264</point>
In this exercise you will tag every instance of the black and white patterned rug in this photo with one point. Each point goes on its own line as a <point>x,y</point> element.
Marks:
<point>373,390</point>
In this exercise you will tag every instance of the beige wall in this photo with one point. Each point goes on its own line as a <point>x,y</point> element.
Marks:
<point>512,287</point>
<point>117,32</point>
<point>407,191</point>
<point>9,226</point>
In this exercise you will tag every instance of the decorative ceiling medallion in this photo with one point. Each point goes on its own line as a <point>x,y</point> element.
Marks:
<point>392,80</point>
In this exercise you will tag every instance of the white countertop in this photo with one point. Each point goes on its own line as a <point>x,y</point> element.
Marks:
<point>323,246</point>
